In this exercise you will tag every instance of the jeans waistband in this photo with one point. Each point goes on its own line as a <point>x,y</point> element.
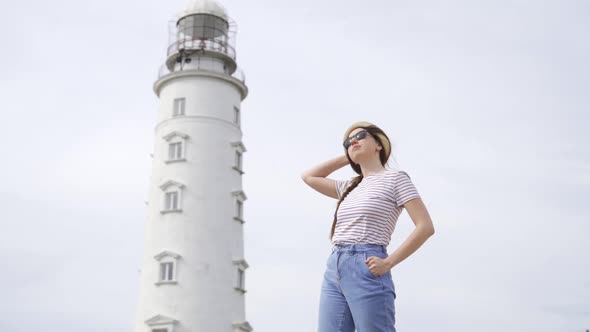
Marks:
<point>358,247</point>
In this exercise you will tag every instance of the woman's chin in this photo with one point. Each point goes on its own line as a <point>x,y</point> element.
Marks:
<point>355,158</point>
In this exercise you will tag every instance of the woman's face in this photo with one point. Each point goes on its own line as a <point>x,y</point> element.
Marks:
<point>362,148</point>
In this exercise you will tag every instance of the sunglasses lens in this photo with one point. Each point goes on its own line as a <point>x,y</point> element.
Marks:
<point>347,143</point>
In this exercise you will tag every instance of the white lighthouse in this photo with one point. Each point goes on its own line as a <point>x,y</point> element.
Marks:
<point>193,270</point>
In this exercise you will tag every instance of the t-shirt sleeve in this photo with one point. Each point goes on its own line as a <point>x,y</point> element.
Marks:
<point>403,189</point>
<point>341,186</point>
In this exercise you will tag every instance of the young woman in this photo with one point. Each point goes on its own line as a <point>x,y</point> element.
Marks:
<point>357,291</point>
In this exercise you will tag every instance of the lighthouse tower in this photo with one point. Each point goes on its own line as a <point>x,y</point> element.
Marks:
<point>193,270</point>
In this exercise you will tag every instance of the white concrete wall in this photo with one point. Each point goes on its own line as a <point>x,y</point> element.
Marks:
<point>204,233</point>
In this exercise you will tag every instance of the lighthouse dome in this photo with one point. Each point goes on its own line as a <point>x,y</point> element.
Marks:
<point>211,7</point>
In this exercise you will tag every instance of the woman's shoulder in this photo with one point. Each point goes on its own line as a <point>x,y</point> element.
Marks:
<point>395,173</point>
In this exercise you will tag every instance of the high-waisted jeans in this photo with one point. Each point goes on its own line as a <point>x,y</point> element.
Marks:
<point>352,297</point>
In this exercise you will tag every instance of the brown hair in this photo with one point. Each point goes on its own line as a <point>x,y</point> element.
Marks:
<point>382,139</point>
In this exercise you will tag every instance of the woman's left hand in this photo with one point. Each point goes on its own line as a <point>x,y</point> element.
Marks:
<point>378,266</point>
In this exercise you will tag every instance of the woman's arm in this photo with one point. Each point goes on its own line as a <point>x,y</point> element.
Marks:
<point>424,229</point>
<point>315,177</point>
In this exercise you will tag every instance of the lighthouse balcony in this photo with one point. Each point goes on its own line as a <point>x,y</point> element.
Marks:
<point>202,44</point>
<point>203,64</point>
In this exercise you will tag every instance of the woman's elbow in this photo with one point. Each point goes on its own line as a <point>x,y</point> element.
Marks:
<point>430,230</point>
<point>427,229</point>
<point>305,177</point>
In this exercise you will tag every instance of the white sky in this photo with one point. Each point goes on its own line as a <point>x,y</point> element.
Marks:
<point>487,103</point>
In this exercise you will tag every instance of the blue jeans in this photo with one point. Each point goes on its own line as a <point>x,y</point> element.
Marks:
<point>352,297</point>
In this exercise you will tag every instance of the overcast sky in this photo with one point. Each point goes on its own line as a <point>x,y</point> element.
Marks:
<point>486,102</point>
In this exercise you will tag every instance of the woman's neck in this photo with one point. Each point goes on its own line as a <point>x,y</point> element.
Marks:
<point>371,167</point>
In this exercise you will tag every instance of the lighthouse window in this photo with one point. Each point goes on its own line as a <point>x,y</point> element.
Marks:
<point>168,264</point>
<point>238,161</point>
<point>240,281</point>
<point>175,151</point>
<point>172,201</point>
<point>176,145</point>
<point>239,198</point>
<point>239,150</point>
<point>179,105</point>
<point>172,197</point>
<point>167,271</point>
<point>241,277</point>
<point>236,115</point>
<point>239,209</point>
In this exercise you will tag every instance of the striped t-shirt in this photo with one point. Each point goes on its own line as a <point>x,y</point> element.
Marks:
<point>370,211</point>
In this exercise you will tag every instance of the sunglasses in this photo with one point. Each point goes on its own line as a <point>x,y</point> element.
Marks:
<point>358,136</point>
